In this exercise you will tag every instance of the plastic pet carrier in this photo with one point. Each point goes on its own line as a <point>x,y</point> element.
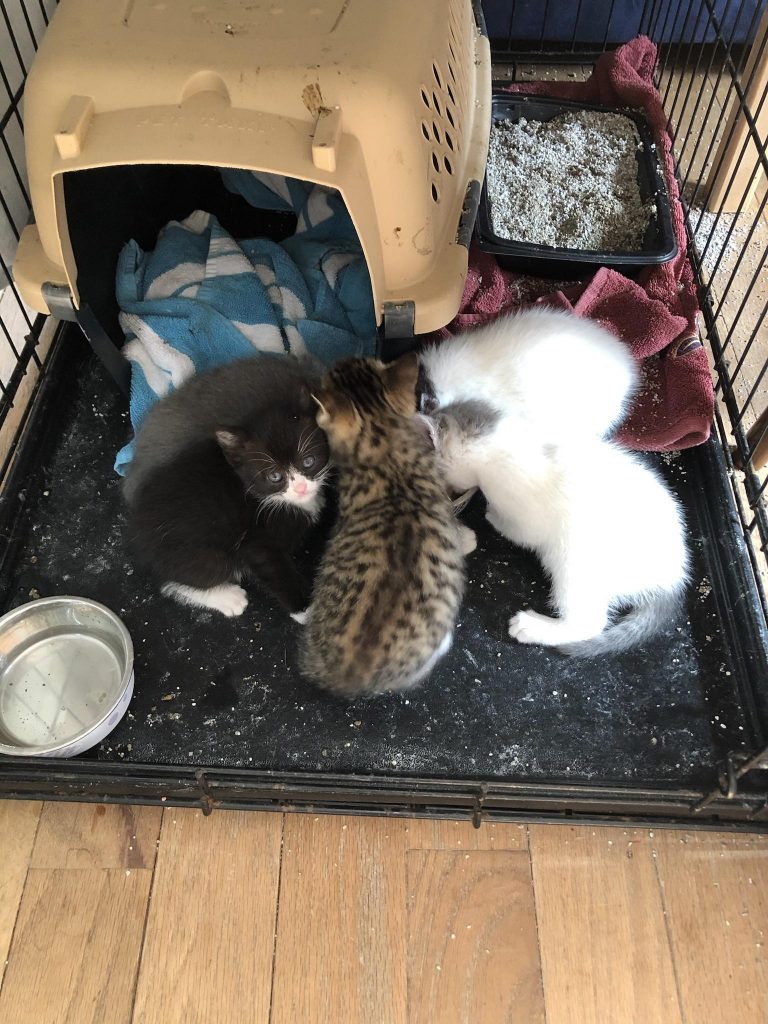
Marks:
<point>127,104</point>
<point>130,111</point>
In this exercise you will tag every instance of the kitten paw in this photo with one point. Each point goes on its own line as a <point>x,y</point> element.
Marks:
<point>526,628</point>
<point>300,617</point>
<point>468,539</point>
<point>229,599</point>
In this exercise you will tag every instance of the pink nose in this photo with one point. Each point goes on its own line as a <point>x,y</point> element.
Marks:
<point>300,487</point>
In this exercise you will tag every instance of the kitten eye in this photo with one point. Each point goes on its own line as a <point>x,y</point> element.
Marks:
<point>308,461</point>
<point>275,476</point>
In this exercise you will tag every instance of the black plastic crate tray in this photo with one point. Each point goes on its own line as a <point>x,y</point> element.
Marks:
<point>221,717</point>
<point>659,244</point>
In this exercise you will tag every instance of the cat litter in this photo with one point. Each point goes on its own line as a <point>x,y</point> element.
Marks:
<point>570,182</point>
<point>571,188</point>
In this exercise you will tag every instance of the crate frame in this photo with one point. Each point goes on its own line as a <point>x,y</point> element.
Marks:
<point>740,798</point>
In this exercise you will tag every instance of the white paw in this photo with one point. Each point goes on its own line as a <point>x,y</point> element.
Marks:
<point>229,599</point>
<point>300,617</point>
<point>526,628</point>
<point>468,540</point>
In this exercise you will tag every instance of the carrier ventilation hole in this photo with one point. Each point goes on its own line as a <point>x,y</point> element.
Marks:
<point>436,73</point>
<point>449,140</point>
<point>451,93</point>
<point>435,162</point>
<point>452,72</point>
<point>436,133</point>
<point>435,193</point>
<point>436,102</point>
<point>448,166</point>
<point>425,97</point>
<point>425,131</point>
<point>452,52</point>
<point>449,115</point>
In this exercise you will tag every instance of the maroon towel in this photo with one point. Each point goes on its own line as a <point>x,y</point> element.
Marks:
<point>655,314</point>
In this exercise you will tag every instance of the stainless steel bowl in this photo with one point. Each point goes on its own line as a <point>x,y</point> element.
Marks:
<point>66,676</point>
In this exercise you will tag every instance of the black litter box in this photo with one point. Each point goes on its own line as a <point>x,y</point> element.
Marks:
<point>659,244</point>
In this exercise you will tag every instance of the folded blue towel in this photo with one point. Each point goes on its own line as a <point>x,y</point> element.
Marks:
<point>200,299</point>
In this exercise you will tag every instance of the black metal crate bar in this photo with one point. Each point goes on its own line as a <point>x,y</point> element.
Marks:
<point>62,418</point>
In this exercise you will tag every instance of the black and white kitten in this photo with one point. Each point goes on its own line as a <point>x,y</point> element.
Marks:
<point>226,479</point>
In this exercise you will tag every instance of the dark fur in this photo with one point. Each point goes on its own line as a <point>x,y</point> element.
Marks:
<point>473,417</point>
<point>195,512</point>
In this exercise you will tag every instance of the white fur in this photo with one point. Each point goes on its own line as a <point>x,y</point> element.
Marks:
<point>309,499</point>
<point>310,502</point>
<point>467,539</point>
<point>606,528</point>
<point>562,374</point>
<point>228,598</point>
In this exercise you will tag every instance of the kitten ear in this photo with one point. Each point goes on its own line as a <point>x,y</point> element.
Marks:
<point>230,440</point>
<point>400,379</point>
<point>336,413</point>
<point>321,398</point>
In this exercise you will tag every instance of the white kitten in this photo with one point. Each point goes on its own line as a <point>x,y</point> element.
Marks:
<point>563,375</point>
<point>604,525</point>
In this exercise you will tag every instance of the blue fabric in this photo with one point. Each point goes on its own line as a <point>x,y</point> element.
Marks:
<point>513,21</point>
<point>200,299</point>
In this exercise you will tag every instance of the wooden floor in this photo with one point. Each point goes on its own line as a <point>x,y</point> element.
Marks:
<point>138,915</point>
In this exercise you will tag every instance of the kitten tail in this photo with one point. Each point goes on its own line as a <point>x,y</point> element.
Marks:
<point>644,621</point>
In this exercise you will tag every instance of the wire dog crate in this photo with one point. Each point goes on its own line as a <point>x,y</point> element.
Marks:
<point>61,419</point>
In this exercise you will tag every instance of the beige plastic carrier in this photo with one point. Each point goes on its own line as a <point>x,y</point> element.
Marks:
<point>386,100</point>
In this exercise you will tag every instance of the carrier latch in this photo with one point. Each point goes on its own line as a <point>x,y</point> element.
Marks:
<point>59,301</point>
<point>399,319</point>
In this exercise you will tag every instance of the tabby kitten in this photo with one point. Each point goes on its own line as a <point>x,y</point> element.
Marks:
<point>391,579</point>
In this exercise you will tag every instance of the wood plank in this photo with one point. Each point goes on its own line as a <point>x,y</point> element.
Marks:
<point>210,932</point>
<point>342,927</point>
<point>549,72</point>
<point>76,947</point>
<point>604,950</point>
<point>692,102</point>
<point>472,942</point>
<point>715,889</point>
<point>18,824</point>
<point>736,155</point>
<point>438,834</point>
<point>17,328</point>
<point>97,836</point>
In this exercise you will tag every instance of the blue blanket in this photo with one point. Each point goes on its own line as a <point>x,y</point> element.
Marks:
<point>200,299</point>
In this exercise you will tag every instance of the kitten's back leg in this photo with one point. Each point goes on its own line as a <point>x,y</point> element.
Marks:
<point>227,598</point>
<point>531,627</point>
<point>581,594</point>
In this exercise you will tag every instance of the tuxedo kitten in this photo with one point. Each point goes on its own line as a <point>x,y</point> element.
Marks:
<point>391,578</point>
<point>607,529</point>
<point>564,375</point>
<point>226,479</point>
